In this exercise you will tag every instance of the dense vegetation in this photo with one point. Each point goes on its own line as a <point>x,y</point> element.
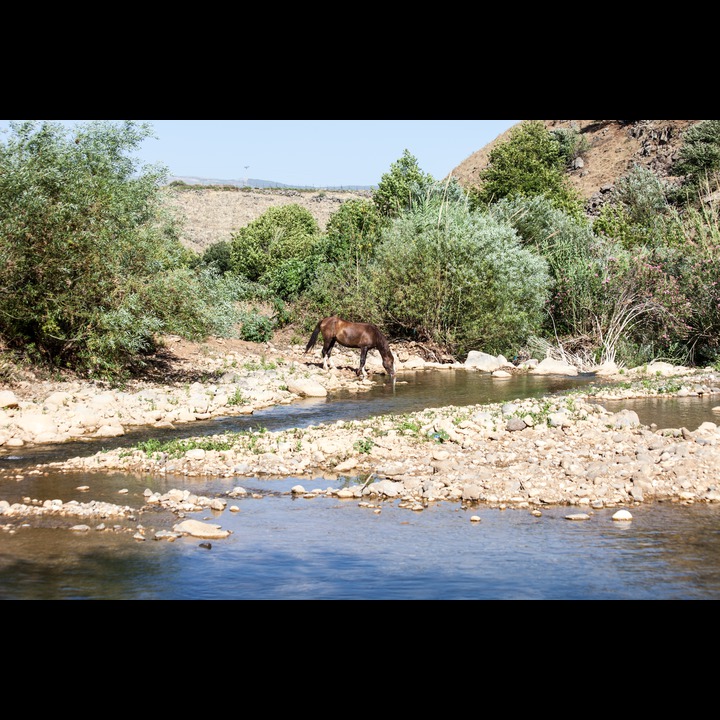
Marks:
<point>95,272</point>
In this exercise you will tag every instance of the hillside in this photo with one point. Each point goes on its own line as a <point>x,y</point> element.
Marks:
<point>214,214</point>
<point>613,147</point>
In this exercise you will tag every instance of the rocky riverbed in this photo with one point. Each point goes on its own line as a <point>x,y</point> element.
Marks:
<point>560,450</point>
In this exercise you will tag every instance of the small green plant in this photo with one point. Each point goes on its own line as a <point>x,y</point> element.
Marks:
<point>439,436</point>
<point>364,446</point>
<point>540,416</point>
<point>671,386</point>
<point>177,448</point>
<point>237,398</point>
<point>408,427</point>
<point>256,328</point>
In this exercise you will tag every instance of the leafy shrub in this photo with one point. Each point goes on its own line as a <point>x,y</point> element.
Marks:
<point>699,156</point>
<point>352,232</point>
<point>256,328</point>
<point>339,289</point>
<point>699,282</point>
<point>93,264</point>
<point>639,213</point>
<point>279,234</point>
<point>397,187</point>
<point>460,279</point>
<point>217,255</point>
<point>622,302</point>
<point>575,261</point>
<point>531,162</point>
<point>288,278</point>
<point>572,143</point>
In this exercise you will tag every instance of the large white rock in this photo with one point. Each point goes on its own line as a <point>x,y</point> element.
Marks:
<point>36,424</point>
<point>86,417</point>
<point>8,399</point>
<point>482,361</point>
<point>659,368</point>
<point>606,368</point>
<point>625,419</point>
<point>201,530</point>
<point>413,362</point>
<point>306,387</point>
<point>58,399</point>
<point>548,366</point>
<point>110,431</point>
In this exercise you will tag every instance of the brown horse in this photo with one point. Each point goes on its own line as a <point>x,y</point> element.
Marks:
<point>365,336</point>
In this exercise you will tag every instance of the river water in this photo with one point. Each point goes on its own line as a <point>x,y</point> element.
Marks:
<point>282,547</point>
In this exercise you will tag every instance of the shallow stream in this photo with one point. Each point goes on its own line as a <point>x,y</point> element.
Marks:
<point>323,548</point>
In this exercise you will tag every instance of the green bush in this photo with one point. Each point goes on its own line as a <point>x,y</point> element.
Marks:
<point>698,263</point>
<point>217,255</point>
<point>93,264</point>
<point>639,213</point>
<point>605,297</point>
<point>531,162</point>
<point>340,289</point>
<point>572,144</point>
<point>288,278</point>
<point>280,233</point>
<point>699,156</point>
<point>457,278</point>
<point>575,260</point>
<point>256,328</point>
<point>352,232</point>
<point>397,187</point>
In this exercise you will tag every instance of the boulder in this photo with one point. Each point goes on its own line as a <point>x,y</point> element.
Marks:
<point>548,366</point>
<point>482,361</point>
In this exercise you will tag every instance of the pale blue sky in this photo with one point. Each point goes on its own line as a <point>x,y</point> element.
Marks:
<point>315,153</point>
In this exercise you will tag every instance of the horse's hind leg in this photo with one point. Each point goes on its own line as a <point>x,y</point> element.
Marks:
<point>327,349</point>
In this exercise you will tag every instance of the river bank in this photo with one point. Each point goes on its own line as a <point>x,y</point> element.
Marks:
<point>525,454</point>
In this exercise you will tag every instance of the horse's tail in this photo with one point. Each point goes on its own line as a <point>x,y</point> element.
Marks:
<point>313,337</point>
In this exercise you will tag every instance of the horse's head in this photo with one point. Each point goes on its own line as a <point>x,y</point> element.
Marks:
<point>388,362</point>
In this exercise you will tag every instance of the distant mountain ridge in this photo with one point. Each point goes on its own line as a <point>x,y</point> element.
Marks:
<point>255,183</point>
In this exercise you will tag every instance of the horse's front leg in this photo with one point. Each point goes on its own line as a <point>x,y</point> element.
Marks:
<point>363,357</point>
<point>327,349</point>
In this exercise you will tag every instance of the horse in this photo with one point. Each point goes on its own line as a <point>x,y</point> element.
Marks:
<point>365,336</point>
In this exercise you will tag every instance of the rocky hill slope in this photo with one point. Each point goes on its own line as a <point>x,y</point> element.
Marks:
<point>613,147</point>
<point>212,214</point>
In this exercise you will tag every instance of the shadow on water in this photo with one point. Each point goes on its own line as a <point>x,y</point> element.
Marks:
<point>325,549</point>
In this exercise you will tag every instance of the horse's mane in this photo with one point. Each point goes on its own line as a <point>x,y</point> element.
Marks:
<point>383,343</point>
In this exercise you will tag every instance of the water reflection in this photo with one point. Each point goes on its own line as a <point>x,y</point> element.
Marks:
<point>328,549</point>
<point>670,412</point>
<point>57,564</point>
